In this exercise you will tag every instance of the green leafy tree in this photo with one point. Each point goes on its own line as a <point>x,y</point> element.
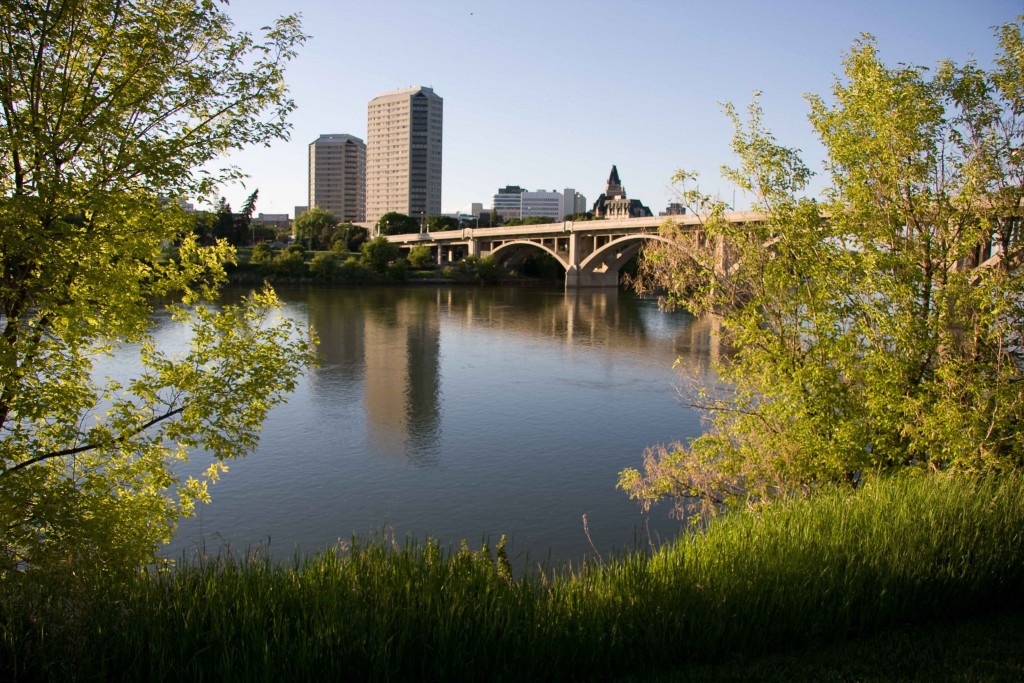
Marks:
<point>880,330</point>
<point>323,266</point>
<point>262,253</point>
<point>291,261</point>
<point>441,223</point>
<point>315,228</point>
<point>530,220</point>
<point>202,227</point>
<point>349,238</point>
<point>394,223</point>
<point>107,109</point>
<point>420,257</point>
<point>378,254</point>
<point>224,221</point>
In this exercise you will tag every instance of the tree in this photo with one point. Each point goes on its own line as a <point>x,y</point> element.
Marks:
<point>440,223</point>
<point>262,253</point>
<point>349,237</point>
<point>243,222</point>
<point>378,254</point>
<point>394,223</point>
<point>530,220</point>
<point>880,330</point>
<point>224,221</point>
<point>109,111</point>
<point>420,257</point>
<point>312,227</point>
<point>323,266</point>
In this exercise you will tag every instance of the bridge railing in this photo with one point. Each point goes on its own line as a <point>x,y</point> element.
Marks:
<point>567,227</point>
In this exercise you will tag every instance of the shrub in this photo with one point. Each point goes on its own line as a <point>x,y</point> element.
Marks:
<point>420,257</point>
<point>378,254</point>
<point>291,261</point>
<point>262,253</point>
<point>323,266</point>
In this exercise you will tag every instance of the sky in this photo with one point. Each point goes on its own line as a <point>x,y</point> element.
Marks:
<point>549,95</point>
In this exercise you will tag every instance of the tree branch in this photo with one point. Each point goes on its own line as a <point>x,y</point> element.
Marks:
<point>92,446</point>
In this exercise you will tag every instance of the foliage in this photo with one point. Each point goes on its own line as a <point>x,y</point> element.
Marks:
<point>420,257</point>
<point>315,228</point>
<point>323,266</point>
<point>353,269</point>
<point>394,223</point>
<point>291,261</point>
<point>378,254</point>
<point>530,220</point>
<point>244,229</point>
<point>475,269</point>
<point>224,227</point>
<point>876,331</point>
<point>587,216</point>
<point>349,238</point>
<point>398,270</point>
<point>541,264</point>
<point>262,232</point>
<point>440,223</point>
<point>488,270</point>
<point>262,253</point>
<point>848,563</point>
<point>110,111</point>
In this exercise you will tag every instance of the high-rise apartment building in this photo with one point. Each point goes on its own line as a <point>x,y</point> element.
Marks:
<point>337,176</point>
<point>403,153</point>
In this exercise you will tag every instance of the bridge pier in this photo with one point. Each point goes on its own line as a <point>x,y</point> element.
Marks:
<point>580,279</point>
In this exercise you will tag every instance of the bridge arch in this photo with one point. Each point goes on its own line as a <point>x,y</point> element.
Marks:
<point>514,252</point>
<point>601,267</point>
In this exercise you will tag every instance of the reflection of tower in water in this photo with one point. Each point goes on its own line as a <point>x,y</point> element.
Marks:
<point>402,363</point>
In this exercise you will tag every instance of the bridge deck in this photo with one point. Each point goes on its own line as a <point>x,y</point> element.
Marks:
<point>593,227</point>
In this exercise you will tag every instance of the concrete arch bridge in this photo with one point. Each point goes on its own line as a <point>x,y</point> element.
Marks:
<point>591,252</point>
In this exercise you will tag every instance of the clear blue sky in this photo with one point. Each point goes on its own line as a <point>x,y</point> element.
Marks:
<point>549,95</point>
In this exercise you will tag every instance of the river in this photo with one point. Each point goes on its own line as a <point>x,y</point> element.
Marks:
<point>462,413</point>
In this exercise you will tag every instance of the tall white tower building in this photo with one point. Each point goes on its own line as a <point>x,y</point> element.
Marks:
<point>403,153</point>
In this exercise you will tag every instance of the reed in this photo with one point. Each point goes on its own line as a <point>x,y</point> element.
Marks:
<point>908,549</point>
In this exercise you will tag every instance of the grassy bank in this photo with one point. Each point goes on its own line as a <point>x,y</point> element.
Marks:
<point>797,575</point>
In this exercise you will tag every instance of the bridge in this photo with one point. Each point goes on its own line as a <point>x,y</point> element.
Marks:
<point>592,252</point>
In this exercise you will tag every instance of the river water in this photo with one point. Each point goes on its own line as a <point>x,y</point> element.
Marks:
<point>463,413</point>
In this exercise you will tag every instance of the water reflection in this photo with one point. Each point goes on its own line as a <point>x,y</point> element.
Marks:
<point>464,412</point>
<point>387,348</point>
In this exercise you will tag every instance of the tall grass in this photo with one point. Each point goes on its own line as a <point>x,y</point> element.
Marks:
<point>899,550</point>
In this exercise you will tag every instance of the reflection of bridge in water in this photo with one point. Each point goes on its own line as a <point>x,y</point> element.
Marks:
<point>592,252</point>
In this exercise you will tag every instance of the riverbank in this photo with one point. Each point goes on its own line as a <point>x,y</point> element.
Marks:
<point>790,581</point>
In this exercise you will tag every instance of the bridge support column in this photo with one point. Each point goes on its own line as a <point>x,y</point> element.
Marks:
<point>579,248</point>
<point>473,248</point>
<point>578,279</point>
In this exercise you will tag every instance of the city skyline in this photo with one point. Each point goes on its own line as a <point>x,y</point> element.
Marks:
<point>554,103</point>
